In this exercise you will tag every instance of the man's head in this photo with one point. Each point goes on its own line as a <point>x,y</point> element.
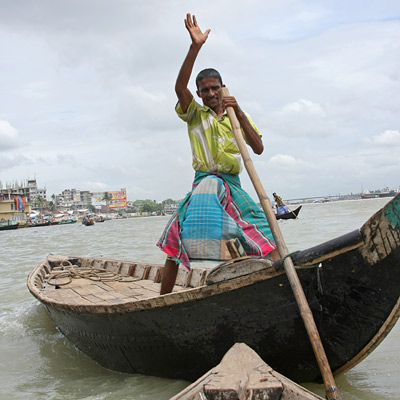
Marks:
<point>208,73</point>
<point>209,83</point>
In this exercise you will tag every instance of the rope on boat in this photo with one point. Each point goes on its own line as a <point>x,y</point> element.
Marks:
<point>71,271</point>
<point>282,260</point>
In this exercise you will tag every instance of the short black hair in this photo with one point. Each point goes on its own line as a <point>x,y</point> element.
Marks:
<point>208,73</point>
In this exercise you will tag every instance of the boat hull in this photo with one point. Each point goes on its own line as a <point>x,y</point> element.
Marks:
<point>9,227</point>
<point>185,340</point>
<point>290,214</point>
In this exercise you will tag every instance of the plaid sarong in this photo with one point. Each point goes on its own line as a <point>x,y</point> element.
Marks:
<point>216,210</point>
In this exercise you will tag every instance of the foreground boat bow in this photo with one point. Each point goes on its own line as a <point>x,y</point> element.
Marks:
<point>352,284</point>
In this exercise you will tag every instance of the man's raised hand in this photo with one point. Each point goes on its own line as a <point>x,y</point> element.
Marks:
<point>198,37</point>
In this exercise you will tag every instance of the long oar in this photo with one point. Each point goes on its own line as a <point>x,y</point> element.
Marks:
<point>305,311</point>
<point>295,216</point>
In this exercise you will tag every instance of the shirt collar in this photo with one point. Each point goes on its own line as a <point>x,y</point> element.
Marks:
<point>211,111</point>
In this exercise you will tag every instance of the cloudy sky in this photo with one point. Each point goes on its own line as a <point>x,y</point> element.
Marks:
<point>87,92</point>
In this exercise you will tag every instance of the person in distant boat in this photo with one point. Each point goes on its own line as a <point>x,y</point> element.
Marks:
<point>281,207</point>
<point>217,209</point>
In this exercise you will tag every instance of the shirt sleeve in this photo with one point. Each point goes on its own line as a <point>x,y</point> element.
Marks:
<point>252,124</point>
<point>190,112</point>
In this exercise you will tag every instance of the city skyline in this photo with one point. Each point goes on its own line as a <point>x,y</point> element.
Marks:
<point>128,199</point>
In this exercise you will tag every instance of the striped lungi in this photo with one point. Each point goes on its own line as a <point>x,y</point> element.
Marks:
<point>215,211</point>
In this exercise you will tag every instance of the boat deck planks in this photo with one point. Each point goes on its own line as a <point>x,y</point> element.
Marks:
<point>79,290</point>
<point>85,291</point>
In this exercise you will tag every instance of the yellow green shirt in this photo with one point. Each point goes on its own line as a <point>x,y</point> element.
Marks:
<point>214,147</point>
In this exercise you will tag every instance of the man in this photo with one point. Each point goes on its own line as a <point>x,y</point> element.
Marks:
<point>217,209</point>
<point>281,207</point>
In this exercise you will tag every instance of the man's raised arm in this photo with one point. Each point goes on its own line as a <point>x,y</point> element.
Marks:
<point>198,39</point>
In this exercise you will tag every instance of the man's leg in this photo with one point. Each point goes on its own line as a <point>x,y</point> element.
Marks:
<point>274,255</point>
<point>168,279</point>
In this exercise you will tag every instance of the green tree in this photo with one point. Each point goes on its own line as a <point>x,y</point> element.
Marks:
<point>168,202</point>
<point>51,205</point>
<point>40,202</point>
<point>151,206</point>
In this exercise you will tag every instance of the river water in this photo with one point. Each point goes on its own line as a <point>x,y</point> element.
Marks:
<point>37,362</point>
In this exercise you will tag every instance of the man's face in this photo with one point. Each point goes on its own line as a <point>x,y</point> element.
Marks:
<point>210,92</point>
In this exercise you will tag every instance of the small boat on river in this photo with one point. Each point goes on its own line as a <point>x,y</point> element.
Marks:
<point>8,226</point>
<point>112,311</point>
<point>289,214</point>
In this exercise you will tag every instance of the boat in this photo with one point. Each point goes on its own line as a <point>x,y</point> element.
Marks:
<point>8,226</point>
<point>242,374</point>
<point>37,224</point>
<point>352,284</point>
<point>68,221</point>
<point>289,214</point>
<point>88,220</point>
<point>385,192</point>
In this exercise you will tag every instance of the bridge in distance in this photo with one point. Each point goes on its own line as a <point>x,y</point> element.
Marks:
<point>321,199</point>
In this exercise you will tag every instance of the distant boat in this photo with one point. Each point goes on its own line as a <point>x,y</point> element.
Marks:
<point>36,225</point>
<point>386,192</point>
<point>68,221</point>
<point>7,227</point>
<point>290,214</point>
<point>116,315</point>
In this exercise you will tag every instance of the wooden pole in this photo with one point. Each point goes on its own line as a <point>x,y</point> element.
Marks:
<point>305,311</point>
<point>295,216</point>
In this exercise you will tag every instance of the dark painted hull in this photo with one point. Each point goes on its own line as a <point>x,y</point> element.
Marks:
<point>376,195</point>
<point>289,215</point>
<point>9,227</point>
<point>37,225</point>
<point>353,295</point>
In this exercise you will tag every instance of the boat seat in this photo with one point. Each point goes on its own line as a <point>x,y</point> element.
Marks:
<point>238,267</point>
<point>193,278</point>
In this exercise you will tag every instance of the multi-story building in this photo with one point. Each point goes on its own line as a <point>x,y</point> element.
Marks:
<point>74,199</point>
<point>27,189</point>
<point>32,192</point>
<point>13,206</point>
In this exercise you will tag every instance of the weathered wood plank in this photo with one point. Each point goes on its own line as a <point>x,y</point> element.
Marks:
<point>242,374</point>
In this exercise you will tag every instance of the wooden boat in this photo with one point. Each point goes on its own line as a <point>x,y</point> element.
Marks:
<point>36,225</point>
<point>242,374</point>
<point>352,284</point>
<point>68,221</point>
<point>7,227</point>
<point>290,214</point>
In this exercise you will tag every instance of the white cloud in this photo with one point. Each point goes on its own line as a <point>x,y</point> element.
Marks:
<point>287,163</point>
<point>9,138</point>
<point>388,138</point>
<point>303,106</point>
<point>302,118</point>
